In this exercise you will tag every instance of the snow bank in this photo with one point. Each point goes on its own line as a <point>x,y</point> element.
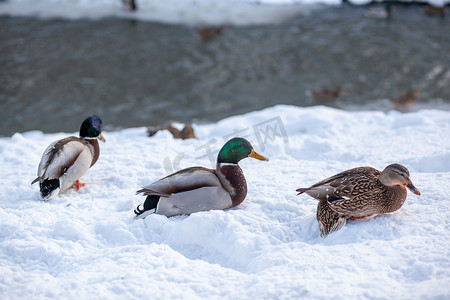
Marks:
<point>191,12</point>
<point>85,244</point>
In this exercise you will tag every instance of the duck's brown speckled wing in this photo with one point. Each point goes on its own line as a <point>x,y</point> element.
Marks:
<point>379,200</point>
<point>361,193</point>
<point>358,206</point>
<point>344,185</point>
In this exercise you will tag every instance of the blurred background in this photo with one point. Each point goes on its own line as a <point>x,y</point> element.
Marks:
<point>151,62</point>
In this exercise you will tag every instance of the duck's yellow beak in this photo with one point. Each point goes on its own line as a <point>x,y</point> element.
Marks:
<point>254,154</point>
<point>412,188</point>
<point>101,138</point>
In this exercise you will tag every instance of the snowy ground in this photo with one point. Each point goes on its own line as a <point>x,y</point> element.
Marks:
<point>86,244</point>
<point>191,12</point>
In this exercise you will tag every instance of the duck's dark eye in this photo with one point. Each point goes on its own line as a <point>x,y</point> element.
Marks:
<point>400,174</point>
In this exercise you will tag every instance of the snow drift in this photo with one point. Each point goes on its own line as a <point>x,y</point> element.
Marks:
<point>86,244</point>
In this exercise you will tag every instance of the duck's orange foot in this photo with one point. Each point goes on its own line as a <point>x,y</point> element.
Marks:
<point>363,218</point>
<point>77,185</point>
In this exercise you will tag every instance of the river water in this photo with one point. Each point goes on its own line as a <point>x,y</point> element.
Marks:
<point>133,73</point>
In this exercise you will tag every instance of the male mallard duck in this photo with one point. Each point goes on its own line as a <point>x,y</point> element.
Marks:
<point>359,193</point>
<point>66,160</point>
<point>200,189</point>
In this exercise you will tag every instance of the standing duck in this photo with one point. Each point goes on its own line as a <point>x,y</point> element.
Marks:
<point>359,194</point>
<point>200,189</point>
<point>66,160</point>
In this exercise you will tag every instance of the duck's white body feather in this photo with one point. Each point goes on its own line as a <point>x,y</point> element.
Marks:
<point>201,199</point>
<point>188,191</point>
<point>67,160</point>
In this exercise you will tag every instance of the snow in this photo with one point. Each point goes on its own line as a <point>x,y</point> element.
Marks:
<point>190,12</point>
<point>86,244</point>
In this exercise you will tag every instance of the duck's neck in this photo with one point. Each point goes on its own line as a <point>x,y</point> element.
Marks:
<point>394,197</point>
<point>233,180</point>
<point>95,149</point>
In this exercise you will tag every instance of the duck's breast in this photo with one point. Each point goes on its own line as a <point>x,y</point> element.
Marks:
<point>233,180</point>
<point>393,198</point>
<point>94,148</point>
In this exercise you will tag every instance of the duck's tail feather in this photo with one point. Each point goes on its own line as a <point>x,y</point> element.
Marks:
<point>48,186</point>
<point>150,204</point>
<point>329,221</point>
<point>301,190</point>
<point>150,192</point>
<point>337,224</point>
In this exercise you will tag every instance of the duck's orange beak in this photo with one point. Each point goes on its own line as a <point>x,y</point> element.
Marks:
<point>254,154</point>
<point>101,138</point>
<point>412,188</point>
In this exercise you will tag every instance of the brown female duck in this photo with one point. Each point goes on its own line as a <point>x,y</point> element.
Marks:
<point>403,100</point>
<point>359,193</point>
<point>326,93</point>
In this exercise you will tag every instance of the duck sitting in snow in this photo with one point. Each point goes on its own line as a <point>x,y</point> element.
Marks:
<point>402,101</point>
<point>359,194</point>
<point>186,133</point>
<point>66,160</point>
<point>326,93</point>
<point>200,189</point>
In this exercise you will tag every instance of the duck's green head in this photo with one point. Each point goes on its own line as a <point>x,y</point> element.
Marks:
<point>92,128</point>
<point>236,149</point>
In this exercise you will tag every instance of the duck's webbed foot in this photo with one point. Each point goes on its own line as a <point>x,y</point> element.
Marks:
<point>77,185</point>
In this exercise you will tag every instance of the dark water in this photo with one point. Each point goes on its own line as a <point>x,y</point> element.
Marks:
<point>55,72</point>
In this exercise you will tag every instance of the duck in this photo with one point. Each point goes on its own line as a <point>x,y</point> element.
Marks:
<point>403,100</point>
<point>326,93</point>
<point>380,12</point>
<point>186,133</point>
<point>359,194</point>
<point>198,189</point>
<point>437,11</point>
<point>209,33</point>
<point>66,160</point>
<point>129,5</point>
